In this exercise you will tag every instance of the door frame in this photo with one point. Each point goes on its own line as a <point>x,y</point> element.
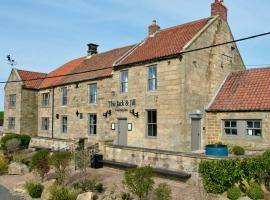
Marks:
<point>118,131</point>
<point>196,117</point>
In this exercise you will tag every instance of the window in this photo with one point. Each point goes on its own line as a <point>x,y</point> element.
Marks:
<point>92,124</point>
<point>124,81</point>
<point>64,96</point>
<point>45,99</point>
<point>152,123</point>
<point>152,78</point>
<point>45,123</point>
<point>230,127</point>
<point>64,124</point>
<point>93,93</point>
<point>11,123</point>
<point>12,100</point>
<point>254,128</point>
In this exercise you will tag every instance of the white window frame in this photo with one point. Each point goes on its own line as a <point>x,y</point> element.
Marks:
<point>45,123</point>
<point>92,96</point>
<point>64,96</point>
<point>64,126</point>
<point>92,126</point>
<point>152,78</point>
<point>123,83</point>
<point>45,99</point>
<point>151,123</point>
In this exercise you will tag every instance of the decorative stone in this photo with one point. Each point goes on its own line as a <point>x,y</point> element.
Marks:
<point>46,191</point>
<point>85,196</point>
<point>17,169</point>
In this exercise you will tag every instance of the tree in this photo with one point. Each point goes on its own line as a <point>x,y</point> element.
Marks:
<point>139,181</point>
<point>40,163</point>
<point>61,161</point>
<point>82,157</point>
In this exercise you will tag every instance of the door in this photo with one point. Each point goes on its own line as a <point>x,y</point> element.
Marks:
<point>122,132</point>
<point>195,134</point>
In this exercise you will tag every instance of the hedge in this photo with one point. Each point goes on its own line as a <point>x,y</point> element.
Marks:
<point>220,175</point>
<point>25,139</point>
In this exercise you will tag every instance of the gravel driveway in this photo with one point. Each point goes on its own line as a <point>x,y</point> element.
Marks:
<point>6,195</point>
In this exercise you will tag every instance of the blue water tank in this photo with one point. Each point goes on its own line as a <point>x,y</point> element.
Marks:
<point>216,150</point>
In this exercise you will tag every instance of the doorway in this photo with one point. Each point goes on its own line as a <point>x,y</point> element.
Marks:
<point>122,132</point>
<point>195,134</point>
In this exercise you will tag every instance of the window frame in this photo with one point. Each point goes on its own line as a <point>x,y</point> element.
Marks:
<point>11,126</point>
<point>43,125</point>
<point>64,96</point>
<point>152,123</point>
<point>230,127</point>
<point>64,127</point>
<point>150,78</point>
<point>92,125</point>
<point>123,82</point>
<point>45,102</point>
<point>253,128</point>
<point>91,95</point>
<point>12,102</point>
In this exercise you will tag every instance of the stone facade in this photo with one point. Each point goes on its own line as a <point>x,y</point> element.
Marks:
<point>215,129</point>
<point>25,110</point>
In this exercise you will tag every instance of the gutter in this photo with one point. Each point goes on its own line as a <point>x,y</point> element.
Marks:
<point>52,112</point>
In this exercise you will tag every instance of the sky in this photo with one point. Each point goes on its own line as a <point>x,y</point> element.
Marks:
<point>42,35</point>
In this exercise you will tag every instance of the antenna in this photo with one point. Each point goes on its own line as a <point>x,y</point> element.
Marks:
<point>11,61</point>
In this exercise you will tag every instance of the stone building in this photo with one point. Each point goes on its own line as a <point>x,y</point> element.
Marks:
<point>239,113</point>
<point>152,94</point>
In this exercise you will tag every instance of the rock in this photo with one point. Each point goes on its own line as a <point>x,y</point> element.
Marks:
<point>46,191</point>
<point>267,196</point>
<point>17,169</point>
<point>85,196</point>
<point>19,188</point>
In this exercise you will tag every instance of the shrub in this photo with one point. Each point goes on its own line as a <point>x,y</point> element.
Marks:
<point>219,175</point>
<point>40,163</point>
<point>60,161</point>
<point>59,193</point>
<point>13,145</point>
<point>234,193</point>
<point>34,189</point>
<point>89,186</point>
<point>139,181</point>
<point>237,150</point>
<point>253,168</point>
<point>163,192</point>
<point>125,196</point>
<point>252,189</point>
<point>3,165</point>
<point>24,139</point>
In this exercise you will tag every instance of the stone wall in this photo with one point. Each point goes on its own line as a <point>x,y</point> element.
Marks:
<point>13,88</point>
<point>214,129</point>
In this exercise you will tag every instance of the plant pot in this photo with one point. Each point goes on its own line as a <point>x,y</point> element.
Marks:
<point>216,150</point>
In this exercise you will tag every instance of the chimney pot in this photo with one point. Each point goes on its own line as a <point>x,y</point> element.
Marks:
<point>153,28</point>
<point>218,8</point>
<point>92,49</point>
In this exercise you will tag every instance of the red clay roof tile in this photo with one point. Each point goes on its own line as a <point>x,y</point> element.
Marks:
<point>165,42</point>
<point>243,91</point>
<point>29,77</point>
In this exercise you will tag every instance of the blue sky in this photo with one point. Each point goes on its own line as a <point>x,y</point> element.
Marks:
<point>44,34</point>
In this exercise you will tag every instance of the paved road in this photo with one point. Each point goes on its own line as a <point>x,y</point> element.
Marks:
<point>5,195</point>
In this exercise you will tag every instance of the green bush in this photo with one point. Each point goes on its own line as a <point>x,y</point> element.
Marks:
<point>40,163</point>
<point>234,193</point>
<point>237,150</point>
<point>139,181</point>
<point>34,189</point>
<point>163,192</point>
<point>220,175</point>
<point>125,196</point>
<point>13,145</point>
<point>24,140</point>
<point>253,168</point>
<point>89,186</point>
<point>59,193</point>
<point>252,189</point>
<point>3,165</point>
<point>61,161</point>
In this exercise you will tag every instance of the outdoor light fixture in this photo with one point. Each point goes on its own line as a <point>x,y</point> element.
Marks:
<point>57,116</point>
<point>107,113</point>
<point>136,114</point>
<point>113,126</point>
<point>129,126</point>
<point>77,113</point>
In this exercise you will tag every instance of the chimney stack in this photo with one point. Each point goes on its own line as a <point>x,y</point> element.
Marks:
<point>92,49</point>
<point>218,8</point>
<point>153,28</point>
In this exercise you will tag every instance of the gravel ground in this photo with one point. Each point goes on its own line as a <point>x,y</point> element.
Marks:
<point>6,195</point>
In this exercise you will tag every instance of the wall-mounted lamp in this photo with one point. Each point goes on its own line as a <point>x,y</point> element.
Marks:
<point>136,114</point>
<point>113,126</point>
<point>129,126</point>
<point>107,113</point>
<point>57,116</point>
<point>77,113</point>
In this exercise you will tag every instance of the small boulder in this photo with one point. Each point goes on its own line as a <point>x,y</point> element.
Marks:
<point>46,191</point>
<point>85,196</point>
<point>17,169</point>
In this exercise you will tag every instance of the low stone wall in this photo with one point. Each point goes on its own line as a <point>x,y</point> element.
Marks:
<point>54,144</point>
<point>176,161</point>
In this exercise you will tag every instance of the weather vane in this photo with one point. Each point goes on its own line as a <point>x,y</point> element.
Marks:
<point>11,61</point>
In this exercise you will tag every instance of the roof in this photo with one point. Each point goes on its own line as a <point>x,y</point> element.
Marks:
<point>165,42</point>
<point>34,79</point>
<point>244,91</point>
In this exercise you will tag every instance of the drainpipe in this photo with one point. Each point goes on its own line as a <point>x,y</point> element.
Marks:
<point>52,110</point>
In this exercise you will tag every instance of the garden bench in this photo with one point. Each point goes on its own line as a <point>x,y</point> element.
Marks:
<point>118,164</point>
<point>171,173</point>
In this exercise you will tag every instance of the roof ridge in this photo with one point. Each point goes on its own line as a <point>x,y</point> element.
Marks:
<point>187,23</point>
<point>31,71</point>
